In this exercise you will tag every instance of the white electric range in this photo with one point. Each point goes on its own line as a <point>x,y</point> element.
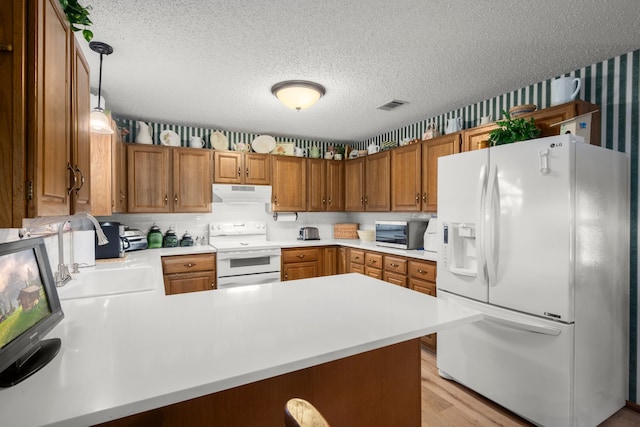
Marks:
<point>244,256</point>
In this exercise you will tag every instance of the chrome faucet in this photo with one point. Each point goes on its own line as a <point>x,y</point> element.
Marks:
<point>62,276</point>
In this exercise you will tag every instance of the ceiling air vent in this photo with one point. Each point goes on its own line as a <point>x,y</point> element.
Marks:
<point>392,105</point>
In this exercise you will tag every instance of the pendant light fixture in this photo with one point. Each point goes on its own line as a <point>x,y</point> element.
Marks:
<point>298,94</point>
<point>99,121</point>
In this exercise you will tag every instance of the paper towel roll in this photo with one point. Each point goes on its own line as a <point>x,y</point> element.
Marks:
<point>285,216</point>
<point>84,247</point>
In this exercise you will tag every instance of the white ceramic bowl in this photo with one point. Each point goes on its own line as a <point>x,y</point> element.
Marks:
<point>366,235</point>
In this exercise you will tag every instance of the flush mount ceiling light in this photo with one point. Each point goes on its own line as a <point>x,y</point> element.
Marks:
<point>99,121</point>
<point>298,94</point>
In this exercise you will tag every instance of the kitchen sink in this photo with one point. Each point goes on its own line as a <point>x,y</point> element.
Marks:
<point>112,281</point>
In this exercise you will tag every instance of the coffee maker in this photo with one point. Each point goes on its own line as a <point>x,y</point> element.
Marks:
<point>115,248</point>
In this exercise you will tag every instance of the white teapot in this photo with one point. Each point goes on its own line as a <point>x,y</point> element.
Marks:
<point>373,149</point>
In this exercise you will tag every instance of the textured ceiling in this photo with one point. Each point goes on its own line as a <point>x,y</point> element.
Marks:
<point>213,62</point>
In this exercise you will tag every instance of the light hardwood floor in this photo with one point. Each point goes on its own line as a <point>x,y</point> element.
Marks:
<point>446,404</point>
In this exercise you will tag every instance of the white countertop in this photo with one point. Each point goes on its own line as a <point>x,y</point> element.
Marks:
<point>124,354</point>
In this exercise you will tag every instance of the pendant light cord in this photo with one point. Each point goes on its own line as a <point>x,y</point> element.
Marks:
<point>100,83</point>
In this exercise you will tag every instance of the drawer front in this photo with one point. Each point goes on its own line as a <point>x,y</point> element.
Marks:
<point>423,270</point>
<point>356,268</point>
<point>299,255</point>
<point>373,259</point>
<point>395,278</point>
<point>356,256</point>
<point>188,263</point>
<point>395,264</point>
<point>423,286</point>
<point>376,273</point>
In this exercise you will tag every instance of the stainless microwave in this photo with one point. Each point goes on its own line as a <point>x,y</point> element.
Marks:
<point>401,234</point>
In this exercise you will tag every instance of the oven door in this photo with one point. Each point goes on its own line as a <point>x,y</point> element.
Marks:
<point>247,280</point>
<point>248,262</point>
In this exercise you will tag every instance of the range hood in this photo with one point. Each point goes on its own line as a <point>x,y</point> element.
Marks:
<point>232,193</point>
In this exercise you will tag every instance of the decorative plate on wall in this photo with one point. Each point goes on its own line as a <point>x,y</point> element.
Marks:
<point>219,141</point>
<point>264,144</point>
<point>169,138</point>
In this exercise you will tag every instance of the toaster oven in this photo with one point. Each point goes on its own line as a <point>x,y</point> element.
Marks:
<point>401,234</point>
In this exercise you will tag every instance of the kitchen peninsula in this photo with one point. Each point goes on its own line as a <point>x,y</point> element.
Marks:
<point>348,343</point>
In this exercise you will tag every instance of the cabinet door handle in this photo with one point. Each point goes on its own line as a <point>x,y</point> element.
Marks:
<point>417,197</point>
<point>247,172</point>
<point>324,201</point>
<point>190,265</point>
<point>239,171</point>
<point>301,256</point>
<point>75,178</point>
<point>394,265</point>
<point>372,261</point>
<point>77,170</point>
<point>420,271</point>
<point>6,47</point>
<point>329,201</point>
<point>175,198</point>
<point>275,200</point>
<point>166,200</point>
<point>286,276</point>
<point>424,197</point>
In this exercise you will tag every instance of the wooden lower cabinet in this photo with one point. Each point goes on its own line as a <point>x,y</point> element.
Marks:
<point>342,263</point>
<point>329,261</point>
<point>356,261</point>
<point>189,273</point>
<point>422,278</point>
<point>300,263</point>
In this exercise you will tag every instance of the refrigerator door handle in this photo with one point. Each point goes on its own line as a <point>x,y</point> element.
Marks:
<point>490,225</point>
<point>481,197</point>
<point>514,324</point>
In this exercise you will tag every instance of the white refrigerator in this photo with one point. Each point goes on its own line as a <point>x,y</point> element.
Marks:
<point>535,234</point>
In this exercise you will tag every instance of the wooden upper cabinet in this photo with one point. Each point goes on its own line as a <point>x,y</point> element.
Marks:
<point>81,137</point>
<point>232,167</point>
<point>325,185</point>
<point>48,109</point>
<point>478,137</point>
<point>118,171</point>
<point>289,181</point>
<point>149,185</point>
<point>432,150</point>
<point>227,167</point>
<point>316,185</point>
<point>163,179</point>
<point>257,169</point>
<point>377,178</point>
<point>354,187</point>
<point>406,164</point>
<point>191,180</point>
<point>335,185</point>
